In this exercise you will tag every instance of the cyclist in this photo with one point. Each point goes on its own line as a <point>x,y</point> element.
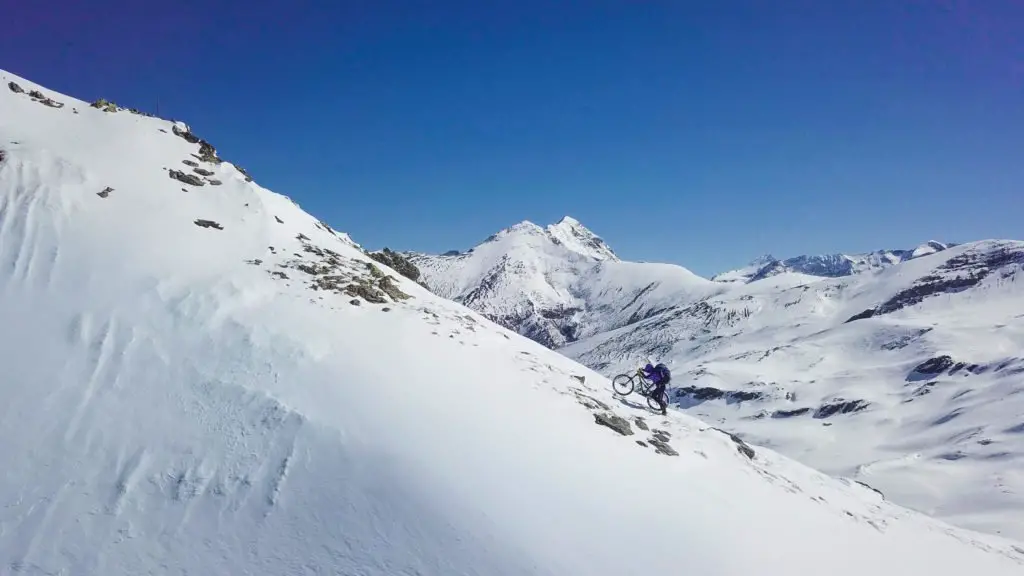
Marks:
<point>660,376</point>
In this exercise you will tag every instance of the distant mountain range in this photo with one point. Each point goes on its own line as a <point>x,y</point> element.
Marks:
<point>828,265</point>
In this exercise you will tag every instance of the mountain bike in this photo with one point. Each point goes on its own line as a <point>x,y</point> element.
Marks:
<point>625,384</point>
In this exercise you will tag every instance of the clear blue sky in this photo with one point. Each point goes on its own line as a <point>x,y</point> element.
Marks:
<point>702,133</point>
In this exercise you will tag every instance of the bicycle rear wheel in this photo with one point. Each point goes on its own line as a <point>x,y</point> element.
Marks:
<point>652,401</point>
<point>623,384</point>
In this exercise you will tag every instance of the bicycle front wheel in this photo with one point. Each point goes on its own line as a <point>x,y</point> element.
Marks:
<point>623,384</point>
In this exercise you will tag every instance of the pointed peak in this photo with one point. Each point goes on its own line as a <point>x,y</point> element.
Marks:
<point>573,235</point>
<point>524,225</point>
<point>762,260</point>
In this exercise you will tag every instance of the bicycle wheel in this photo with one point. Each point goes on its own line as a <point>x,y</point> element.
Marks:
<point>623,384</point>
<point>653,402</point>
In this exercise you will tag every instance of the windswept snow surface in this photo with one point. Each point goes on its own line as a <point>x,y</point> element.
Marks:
<point>176,399</point>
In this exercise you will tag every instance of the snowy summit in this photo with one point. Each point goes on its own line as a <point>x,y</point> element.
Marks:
<point>201,378</point>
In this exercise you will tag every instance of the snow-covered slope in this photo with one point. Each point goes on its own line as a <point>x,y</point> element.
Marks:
<point>557,284</point>
<point>207,380</point>
<point>911,379</point>
<point>827,265</point>
<point>763,349</point>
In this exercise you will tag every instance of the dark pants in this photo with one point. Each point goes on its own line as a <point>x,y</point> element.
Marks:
<point>658,393</point>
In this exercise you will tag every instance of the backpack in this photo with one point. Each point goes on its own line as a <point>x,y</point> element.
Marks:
<point>664,372</point>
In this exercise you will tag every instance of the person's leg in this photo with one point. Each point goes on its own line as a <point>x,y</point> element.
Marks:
<point>659,396</point>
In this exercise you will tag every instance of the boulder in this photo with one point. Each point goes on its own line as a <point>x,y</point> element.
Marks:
<point>190,179</point>
<point>662,447</point>
<point>208,224</point>
<point>185,133</point>
<point>616,423</point>
<point>15,88</point>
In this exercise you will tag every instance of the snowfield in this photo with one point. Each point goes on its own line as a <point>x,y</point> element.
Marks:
<point>201,378</point>
<point>815,356</point>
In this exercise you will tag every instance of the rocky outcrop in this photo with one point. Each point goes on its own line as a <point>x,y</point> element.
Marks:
<point>190,179</point>
<point>790,413</point>
<point>244,173</point>
<point>741,446</point>
<point>104,105</point>
<point>933,366</point>
<point>840,407</point>
<point>398,263</point>
<point>662,446</point>
<point>591,402</point>
<point>388,286</point>
<point>185,134</point>
<point>35,95</point>
<point>105,192</point>
<point>208,224</point>
<point>944,364</point>
<point>872,488</point>
<point>366,291</point>
<point>705,393</point>
<point>207,153</point>
<point>353,278</point>
<point>617,423</point>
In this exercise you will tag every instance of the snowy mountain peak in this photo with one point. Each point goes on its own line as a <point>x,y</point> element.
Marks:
<point>762,260</point>
<point>569,232</point>
<point>929,247</point>
<point>524,226</point>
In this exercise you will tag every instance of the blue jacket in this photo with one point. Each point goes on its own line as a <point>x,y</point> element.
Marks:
<point>659,374</point>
